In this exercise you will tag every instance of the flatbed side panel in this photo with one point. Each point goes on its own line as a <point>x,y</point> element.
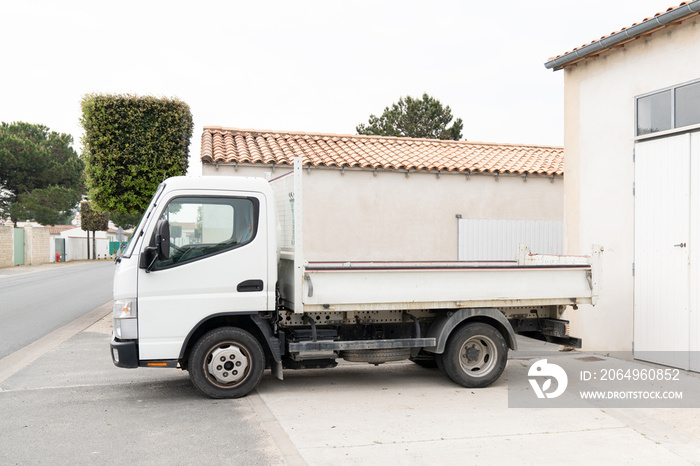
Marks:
<point>559,285</point>
<point>595,260</point>
<point>426,266</point>
<point>448,305</point>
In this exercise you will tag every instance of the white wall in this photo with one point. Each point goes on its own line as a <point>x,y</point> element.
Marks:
<point>76,244</point>
<point>362,216</point>
<point>598,141</point>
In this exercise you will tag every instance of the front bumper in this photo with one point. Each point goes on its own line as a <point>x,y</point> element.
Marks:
<point>125,353</point>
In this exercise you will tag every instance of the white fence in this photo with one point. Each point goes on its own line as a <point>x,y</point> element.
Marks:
<point>497,240</point>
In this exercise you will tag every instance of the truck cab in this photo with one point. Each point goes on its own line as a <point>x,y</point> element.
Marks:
<point>217,259</point>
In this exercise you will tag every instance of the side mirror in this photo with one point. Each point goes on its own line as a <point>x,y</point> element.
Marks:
<point>158,251</point>
<point>163,239</point>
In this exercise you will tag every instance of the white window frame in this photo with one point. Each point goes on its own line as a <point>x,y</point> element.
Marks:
<point>674,129</point>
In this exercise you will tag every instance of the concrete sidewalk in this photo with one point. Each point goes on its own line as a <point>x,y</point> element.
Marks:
<point>72,405</point>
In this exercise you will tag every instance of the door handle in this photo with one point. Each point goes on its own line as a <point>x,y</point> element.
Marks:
<point>679,245</point>
<point>250,285</point>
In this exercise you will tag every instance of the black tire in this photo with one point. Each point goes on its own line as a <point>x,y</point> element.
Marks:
<point>376,356</point>
<point>475,355</point>
<point>227,362</point>
<point>440,365</point>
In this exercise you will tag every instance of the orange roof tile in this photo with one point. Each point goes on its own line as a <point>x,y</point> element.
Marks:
<point>624,35</point>
<point>228,145</point>
<point>57,229</point>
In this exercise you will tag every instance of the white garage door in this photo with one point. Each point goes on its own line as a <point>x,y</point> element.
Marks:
<point>666,233</point>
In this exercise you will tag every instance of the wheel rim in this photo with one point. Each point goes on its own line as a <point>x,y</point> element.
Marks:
<point>227,364</point>
<point>477,356</point>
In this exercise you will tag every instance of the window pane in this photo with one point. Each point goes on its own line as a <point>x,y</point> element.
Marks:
<point>688,105</point>
<point>216,222</point>
<point>203,226</point>
<point>654,113</point>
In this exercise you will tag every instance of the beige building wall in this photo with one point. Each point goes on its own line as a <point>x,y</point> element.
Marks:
<point>36,246</point>
<point>356,215</point>
<point>599,142</point>
<point>6,246</point>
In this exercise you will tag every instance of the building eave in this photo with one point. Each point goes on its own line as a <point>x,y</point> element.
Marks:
<point>669,18</point>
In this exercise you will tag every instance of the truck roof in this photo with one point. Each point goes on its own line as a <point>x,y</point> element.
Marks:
<point>238,183</point>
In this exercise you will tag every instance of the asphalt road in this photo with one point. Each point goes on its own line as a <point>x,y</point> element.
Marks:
<point>37,303</point>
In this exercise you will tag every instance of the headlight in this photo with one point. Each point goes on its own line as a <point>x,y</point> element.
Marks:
<point>124,319</point>
<point>124,309</point>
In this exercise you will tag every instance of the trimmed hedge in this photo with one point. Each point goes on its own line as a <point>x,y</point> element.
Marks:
<point>91,220</point>
<point>131,144</point>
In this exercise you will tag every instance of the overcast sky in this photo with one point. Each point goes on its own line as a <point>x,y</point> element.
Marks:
<point>314,66</point>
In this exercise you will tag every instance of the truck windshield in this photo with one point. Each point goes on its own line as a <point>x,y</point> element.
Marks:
<point>129,249</point>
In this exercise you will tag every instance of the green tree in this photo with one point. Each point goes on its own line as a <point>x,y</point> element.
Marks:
<point>414,118</point>
<point>92,221</point>
<point>40,174</point>
<point>130,145</point>
<point>125,221</point>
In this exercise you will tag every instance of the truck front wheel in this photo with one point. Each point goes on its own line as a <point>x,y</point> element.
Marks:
<point>227,362</point>
<point>475,355</point>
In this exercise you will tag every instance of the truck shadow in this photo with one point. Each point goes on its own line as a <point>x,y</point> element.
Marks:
<point>360,376</point>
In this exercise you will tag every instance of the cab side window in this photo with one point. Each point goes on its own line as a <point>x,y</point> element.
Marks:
<point>203,226</point>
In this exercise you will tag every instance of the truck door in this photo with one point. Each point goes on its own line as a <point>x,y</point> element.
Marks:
<point>217,265</point>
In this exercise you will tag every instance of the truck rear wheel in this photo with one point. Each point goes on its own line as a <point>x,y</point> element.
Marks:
<point>475,355</point>
<point>227,362</point>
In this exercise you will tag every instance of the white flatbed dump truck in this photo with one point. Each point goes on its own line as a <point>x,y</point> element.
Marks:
<point>215,281</point>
